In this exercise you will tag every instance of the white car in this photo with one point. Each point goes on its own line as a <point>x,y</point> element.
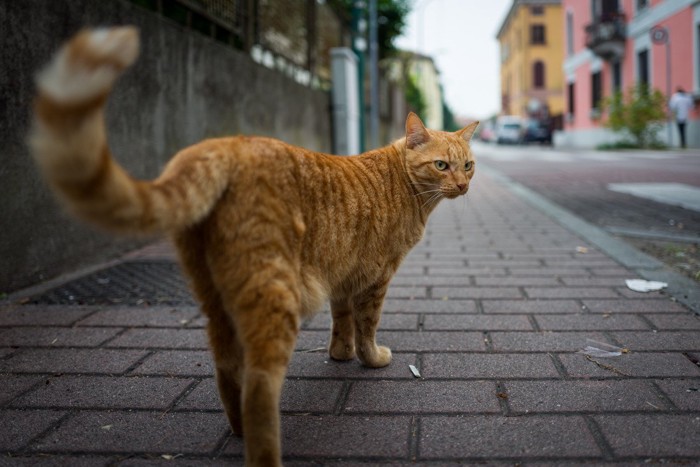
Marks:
<point>509,129</point>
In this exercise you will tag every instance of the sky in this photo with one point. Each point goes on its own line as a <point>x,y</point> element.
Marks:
<point>460,35</point>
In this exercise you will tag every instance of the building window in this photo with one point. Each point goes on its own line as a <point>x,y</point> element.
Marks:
<point>538,75</point>
<point>569,33</point>
<point>641,5</point>
<point>537,10</point>
<point>616,77</point>
<point>537,34</point>
<point>570,98</point>
<point>596,90</point>
<point>643,66</point>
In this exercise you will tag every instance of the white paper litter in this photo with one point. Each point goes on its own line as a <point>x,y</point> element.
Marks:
<point>641,285</point>
<point>414,370</point>
<point>601,349</point>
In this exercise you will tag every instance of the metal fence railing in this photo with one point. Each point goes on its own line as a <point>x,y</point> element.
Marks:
<point>292,36</point>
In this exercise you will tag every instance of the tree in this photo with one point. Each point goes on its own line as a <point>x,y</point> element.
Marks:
<point>448,119</point>
<point>639,113</point>
<point>391,21</point>
<point>414,96</point>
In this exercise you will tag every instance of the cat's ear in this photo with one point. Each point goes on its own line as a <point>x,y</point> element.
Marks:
<point>416,134</point>
<point>468,131</point>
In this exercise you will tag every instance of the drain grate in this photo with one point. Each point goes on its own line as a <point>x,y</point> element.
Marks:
<point>129,283</point>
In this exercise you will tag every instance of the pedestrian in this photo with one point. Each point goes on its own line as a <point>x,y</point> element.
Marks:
<point>680,104</point>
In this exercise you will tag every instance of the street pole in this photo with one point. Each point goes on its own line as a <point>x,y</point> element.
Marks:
<point>373,75</point>
<point>661,35</point>
<point>359,45</point>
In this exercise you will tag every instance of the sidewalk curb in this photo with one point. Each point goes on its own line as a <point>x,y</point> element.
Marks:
<point>680,288</point>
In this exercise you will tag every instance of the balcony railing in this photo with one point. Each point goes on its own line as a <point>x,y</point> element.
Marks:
<point>606,36</point>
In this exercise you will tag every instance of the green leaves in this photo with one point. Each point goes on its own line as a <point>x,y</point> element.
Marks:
<point>639,112</point>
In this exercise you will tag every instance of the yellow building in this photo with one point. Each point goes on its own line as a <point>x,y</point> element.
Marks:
<point>532,52</point>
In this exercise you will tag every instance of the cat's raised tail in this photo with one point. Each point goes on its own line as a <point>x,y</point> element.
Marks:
<point>68,141</point>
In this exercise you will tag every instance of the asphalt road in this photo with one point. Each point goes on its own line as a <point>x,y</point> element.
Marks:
<point>649,198</point>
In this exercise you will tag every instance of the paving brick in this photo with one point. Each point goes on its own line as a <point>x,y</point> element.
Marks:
<point>14,385</point>
<point>545,341</point>
<point>50,460</point>
<point>143,316</point>
<point>661,340</point>
<point>431,341</point>
<point>298,395</point>
<point>547,271</point>
<point>339,436</point>
<point>406,292</point>
<point>633,306</point>
<point>177,363</point>
<point>531,306</point>
<point>477,322</point>
<point>678,322</point>
<point>582,396</point>
<point>652,435</point>
<point>465,271</point>
<point>42,315</point>
<point>161,338</point>
<point>477,292</point>
<point>430,306</point>
<point>497,366</point>
<point>389,321</point>
<point>204,396</point>
<point>633,364</point>
<point>570,292</point>
<point>580,322</point>
<point>5,351</point>
<point>56,337</point>
<point>310,396</point>
<point>516,281</point>
<point>137,432</point>
<point>104,392</point>
<point>491,437</point>
<point>320,365</point>
<point>685,393</point>
<point>19,427</point>
<point>612,272</point>
<point>627,293</point>
<point>68,361</point>
<point>420,396</point>
<point>594,281</point>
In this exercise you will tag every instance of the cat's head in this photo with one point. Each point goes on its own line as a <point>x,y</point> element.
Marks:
<point>439,164</point>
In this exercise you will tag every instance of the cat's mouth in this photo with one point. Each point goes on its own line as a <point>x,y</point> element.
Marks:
<point>454,192</point>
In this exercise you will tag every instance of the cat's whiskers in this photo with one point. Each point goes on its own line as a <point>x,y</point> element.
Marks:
<point>429,191</point>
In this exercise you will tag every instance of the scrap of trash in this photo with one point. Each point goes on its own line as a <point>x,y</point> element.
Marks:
<point>415,371</point>
<point>602,350</point>
<point>641,285</point>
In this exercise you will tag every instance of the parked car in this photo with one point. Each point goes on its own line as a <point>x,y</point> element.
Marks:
<point>537,132</point>
<point>509,129</point>
<point>487,134</point>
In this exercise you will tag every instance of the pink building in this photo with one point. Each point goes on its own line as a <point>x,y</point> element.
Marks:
<point>609,46</point>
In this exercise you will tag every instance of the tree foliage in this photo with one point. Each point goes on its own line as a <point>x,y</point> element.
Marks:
<point>638,112</point>
<point>391,21</point>
<point>414,96</point>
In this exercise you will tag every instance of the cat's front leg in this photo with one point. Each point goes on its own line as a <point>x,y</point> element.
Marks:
<point>367,311</point>
<point>342,346</point>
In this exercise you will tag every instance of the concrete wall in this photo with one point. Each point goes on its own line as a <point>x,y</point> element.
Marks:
<point>185,87</point>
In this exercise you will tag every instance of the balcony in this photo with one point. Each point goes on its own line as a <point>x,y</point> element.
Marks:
<point>606,36</point>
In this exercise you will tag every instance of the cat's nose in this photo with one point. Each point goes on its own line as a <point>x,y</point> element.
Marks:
<point>461,186</point>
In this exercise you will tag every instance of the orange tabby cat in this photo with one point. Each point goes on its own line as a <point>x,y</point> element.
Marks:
<point>265,231</point>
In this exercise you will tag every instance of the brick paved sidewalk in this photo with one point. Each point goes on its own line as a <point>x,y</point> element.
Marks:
<point>492,307</point>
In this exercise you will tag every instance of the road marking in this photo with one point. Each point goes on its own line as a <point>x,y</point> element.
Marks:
<point>677,194</point>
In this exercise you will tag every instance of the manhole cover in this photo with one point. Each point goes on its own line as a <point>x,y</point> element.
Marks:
<point>129,283</point>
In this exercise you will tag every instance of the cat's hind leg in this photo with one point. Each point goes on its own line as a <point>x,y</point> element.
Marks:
<point>367,310</point>
<point>266,311</point>
<point>226,349</point>
<point>342,346</point>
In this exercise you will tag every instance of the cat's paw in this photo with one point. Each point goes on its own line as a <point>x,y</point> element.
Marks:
<point>89,63</point>
<point>342,351</point>
<point>379,357</point>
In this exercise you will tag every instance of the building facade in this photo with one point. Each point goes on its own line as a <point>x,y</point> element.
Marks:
<point>532,80</point>
<point>609,47</point>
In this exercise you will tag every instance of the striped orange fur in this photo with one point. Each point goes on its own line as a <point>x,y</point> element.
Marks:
<point>265,231</point>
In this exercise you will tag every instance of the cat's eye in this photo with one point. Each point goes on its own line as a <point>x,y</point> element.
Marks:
<point>441,165</point>
<point>468,166</point>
